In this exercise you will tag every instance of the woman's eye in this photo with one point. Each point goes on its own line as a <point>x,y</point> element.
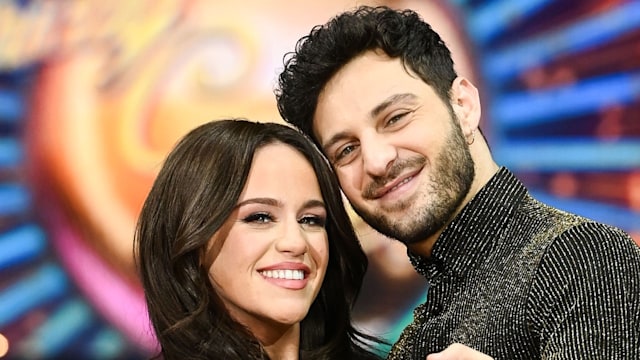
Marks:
<point>258,218</point>
<point>313,220</point>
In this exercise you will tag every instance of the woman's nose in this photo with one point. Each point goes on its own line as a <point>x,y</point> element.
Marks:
<point>292,239</point>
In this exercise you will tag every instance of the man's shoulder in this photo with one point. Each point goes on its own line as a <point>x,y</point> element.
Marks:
<point>567,240</point>
<point>554,225</point>
<point>592,250</point>
<point>595,238</point>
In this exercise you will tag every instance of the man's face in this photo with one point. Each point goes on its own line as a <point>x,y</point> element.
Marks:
<point>397,148</point>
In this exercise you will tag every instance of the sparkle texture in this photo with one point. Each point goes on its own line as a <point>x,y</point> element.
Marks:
<point>517,279</point>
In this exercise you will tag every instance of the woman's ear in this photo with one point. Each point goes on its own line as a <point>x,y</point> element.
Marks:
<point>465,102</point>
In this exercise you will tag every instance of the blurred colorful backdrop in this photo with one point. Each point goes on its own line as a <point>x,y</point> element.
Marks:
<point>94,93</point>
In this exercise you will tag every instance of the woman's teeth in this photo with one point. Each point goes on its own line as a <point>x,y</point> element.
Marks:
<point>283,274</point>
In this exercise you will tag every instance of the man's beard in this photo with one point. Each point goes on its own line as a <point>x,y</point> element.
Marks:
<point>449,184</point>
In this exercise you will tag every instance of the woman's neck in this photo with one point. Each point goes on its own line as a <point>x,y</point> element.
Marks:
<point>283,345</point>
<point>285,352</point>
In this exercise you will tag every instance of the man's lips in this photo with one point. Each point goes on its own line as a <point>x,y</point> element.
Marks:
<point>393,185</point>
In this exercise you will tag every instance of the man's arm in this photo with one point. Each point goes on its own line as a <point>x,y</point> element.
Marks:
<point>585,299</point>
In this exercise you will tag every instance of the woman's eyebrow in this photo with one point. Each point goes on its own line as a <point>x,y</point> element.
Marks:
<point>313,204</point>
<point>262,200</point>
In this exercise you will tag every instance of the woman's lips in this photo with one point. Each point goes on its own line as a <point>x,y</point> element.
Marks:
<point>289,275</point>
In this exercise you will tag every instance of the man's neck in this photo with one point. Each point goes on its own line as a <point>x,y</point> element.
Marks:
<point>425,248</point>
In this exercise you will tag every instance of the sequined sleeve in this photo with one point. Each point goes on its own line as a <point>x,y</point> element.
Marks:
<point>585,299</point>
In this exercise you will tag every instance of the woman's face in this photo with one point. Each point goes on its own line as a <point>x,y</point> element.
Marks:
<point>271,255</point>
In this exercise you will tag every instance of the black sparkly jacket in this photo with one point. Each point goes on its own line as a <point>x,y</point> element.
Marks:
<point>517,279</point>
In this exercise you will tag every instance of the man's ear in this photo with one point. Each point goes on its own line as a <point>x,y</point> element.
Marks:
<point>465,102</point>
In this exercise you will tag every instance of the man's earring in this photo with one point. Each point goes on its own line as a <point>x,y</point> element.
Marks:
<point>473,137</point>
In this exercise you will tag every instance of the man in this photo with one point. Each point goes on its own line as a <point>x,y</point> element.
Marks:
<point>509,276</point>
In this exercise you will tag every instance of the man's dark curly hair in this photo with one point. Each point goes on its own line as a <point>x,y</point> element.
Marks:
<point>327,48</point>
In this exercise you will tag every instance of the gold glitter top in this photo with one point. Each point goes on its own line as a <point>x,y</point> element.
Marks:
<point>517,279</point>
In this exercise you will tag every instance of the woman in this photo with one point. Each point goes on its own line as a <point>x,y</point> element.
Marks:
<point>246,251</point>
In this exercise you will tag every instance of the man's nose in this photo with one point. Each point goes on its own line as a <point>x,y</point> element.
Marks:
<point>377,155</point>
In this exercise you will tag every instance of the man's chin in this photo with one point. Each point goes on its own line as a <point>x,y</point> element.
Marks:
<point>386,223</point>
<point>410,234</point>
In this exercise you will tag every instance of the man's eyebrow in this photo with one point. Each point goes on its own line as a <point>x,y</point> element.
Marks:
<point>389,101</point>
<point>373,113</point>
<point>334,139</point>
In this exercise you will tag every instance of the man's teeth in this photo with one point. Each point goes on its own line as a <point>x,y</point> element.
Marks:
<point>402,183</point>
<point>284,274</point>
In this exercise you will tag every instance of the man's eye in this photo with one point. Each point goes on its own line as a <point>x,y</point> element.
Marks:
<point>345,152</point>
<point>262,218</point>
<point>394,119</point>
<point>313,220</point>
